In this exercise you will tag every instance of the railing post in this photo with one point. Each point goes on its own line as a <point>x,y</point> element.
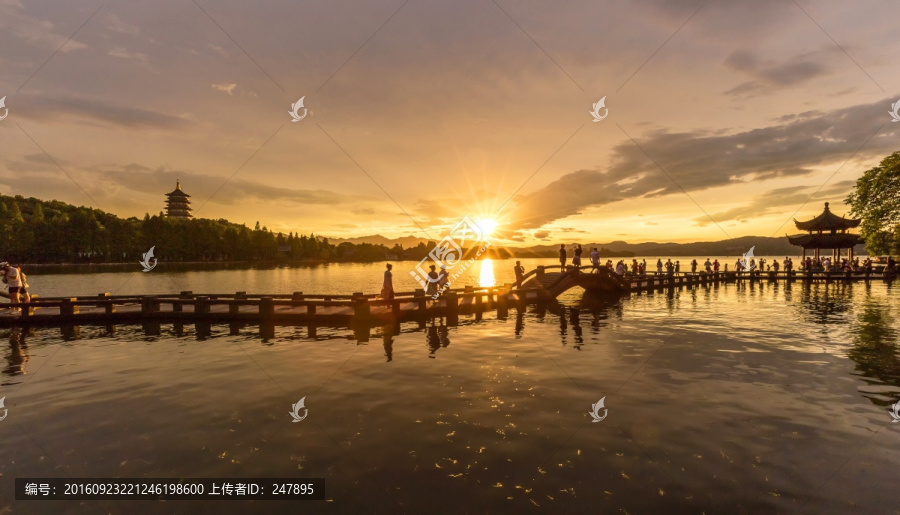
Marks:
<point>149,306</point>
<point>502,308</point>
<point>202,324</point>
<point>68,309</point>
<point>149,313</point>
<point>361,308</point>
<point>452,301</point>
<point>419,296</point>
<point>201,305</point>
<point>266,313</point>
<point>233,310</point>
<point>297,296</point>
<point>102,297</point>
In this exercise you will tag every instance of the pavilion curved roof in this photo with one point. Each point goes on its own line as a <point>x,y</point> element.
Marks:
<point>826,241</point>
<point>827,221</point>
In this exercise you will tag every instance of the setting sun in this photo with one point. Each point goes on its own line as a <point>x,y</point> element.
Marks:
<point>487,226</point>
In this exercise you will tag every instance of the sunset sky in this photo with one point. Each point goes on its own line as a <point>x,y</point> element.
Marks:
<point>724,117</point>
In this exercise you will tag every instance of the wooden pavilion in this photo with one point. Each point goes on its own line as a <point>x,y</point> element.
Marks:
<point>827,231</point>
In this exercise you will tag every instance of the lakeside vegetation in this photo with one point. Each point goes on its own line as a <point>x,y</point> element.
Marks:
<point>39,231</point>
<point>877,202</point>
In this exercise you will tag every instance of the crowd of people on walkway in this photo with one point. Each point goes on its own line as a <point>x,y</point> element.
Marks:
<point>438,280</point>
<point>670,268</point>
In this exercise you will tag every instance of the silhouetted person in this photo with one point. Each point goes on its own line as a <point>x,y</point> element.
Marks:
<point>520,274</point>
<point>443,278</point>
<point>432,339</point>
<point>443,336</point>
<point>18,354</point>
<point>387,335</point>
<point>432,281</point>
<point>387,288</point>
<point>562,256</point>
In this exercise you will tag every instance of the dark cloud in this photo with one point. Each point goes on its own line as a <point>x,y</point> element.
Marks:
<point>700,160</point>
<point>68,108</point>
<point>770,75</point>
<point>542,235</point>
<point>216,189</point>
<point>773,200</point>
<point>107,183</point>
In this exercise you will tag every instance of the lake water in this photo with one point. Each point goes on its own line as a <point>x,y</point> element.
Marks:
<point>763,398</point>
<point>334,278</point>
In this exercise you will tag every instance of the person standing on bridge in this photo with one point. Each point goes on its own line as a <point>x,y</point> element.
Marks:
<point>443,278</point>
<point>562,256</point>
<point>620,268</point>
<point>775,266</point>
<point>432,281</point>
<point>520,274</point>
<point>716,265</point>
<point>708,266</point>
<point>694,266</point>
<point>659,266</point>
<point>677,267</point>
<point>595,258</point>
<point>15,280</point>
<point>387,288</point>
<point>576,255</point>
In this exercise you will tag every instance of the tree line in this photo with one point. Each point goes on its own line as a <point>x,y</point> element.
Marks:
<point>876,202</point>
<point>39,231</point>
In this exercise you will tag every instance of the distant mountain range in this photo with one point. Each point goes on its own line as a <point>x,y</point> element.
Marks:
<point>778,246</point>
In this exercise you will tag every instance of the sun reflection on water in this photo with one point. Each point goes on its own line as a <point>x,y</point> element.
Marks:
<point>487,273</point>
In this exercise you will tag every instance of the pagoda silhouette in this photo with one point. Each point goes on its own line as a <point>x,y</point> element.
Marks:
<point>177,203</point>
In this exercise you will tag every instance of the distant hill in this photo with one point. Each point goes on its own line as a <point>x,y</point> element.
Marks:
<point>377,239</point>
<point>764,246</point>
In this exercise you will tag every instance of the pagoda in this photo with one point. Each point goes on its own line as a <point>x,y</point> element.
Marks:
<point>827,231</point>
<point>177,203</point>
